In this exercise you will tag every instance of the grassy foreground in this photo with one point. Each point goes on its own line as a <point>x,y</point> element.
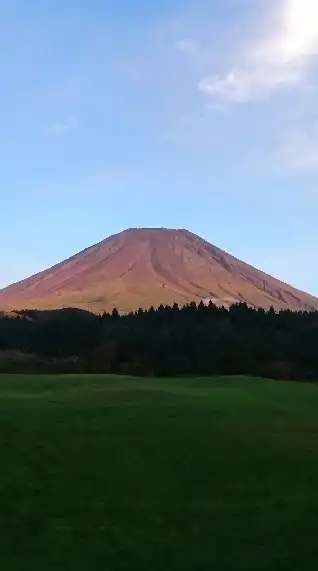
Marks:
<point>108,473</point>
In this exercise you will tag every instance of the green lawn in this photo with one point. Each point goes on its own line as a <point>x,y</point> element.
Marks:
<point>104,473</point>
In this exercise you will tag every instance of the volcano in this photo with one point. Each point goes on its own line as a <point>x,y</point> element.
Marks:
<point>148,267</point>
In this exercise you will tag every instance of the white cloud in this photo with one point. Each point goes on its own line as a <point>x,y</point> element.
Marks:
<point>279,57</point>
<point>62,127</point>
<point>243,85</point>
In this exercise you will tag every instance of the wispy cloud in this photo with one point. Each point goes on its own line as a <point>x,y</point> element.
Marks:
<point>280,57</point>
<point>191,130</point>
<point>135,71</point>
<point>301,151</point>
<point>191,49</point>
<point>63,127</point>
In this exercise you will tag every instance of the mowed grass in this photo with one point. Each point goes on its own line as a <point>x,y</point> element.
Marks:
<point>104,473</point>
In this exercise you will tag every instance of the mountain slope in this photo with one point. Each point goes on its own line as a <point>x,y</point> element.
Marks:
<point>143,267</point>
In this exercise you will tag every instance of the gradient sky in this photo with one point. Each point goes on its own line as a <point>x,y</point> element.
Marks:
<point>195,114</point>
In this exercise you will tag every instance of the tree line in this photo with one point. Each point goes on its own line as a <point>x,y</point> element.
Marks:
<point>167,341</point>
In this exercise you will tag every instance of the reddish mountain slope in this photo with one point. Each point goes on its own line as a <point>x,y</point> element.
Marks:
<point>143,267</point>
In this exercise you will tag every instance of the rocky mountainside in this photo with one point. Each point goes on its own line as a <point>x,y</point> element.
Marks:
<point>144,267</point>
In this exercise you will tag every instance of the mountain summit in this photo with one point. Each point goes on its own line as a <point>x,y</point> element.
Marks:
<point>143,267</point>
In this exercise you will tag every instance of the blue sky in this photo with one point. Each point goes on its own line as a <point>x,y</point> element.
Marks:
<point>192,114</point>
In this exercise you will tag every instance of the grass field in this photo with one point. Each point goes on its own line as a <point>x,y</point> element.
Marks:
<point>108,473</point>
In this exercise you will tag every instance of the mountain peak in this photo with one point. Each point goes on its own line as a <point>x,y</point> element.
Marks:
<point>155,230</point>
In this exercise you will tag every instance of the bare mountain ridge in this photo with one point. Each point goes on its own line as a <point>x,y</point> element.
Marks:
<point>144,267</point>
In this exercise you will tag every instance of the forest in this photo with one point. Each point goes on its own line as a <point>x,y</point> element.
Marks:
<point>194,340</point>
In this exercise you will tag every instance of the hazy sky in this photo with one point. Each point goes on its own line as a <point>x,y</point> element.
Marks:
<point>199,114</point>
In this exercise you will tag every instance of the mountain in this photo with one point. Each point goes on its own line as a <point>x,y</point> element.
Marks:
<point>144,267</point>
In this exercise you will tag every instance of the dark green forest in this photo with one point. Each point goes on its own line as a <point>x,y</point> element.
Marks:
<point>168,341</point>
